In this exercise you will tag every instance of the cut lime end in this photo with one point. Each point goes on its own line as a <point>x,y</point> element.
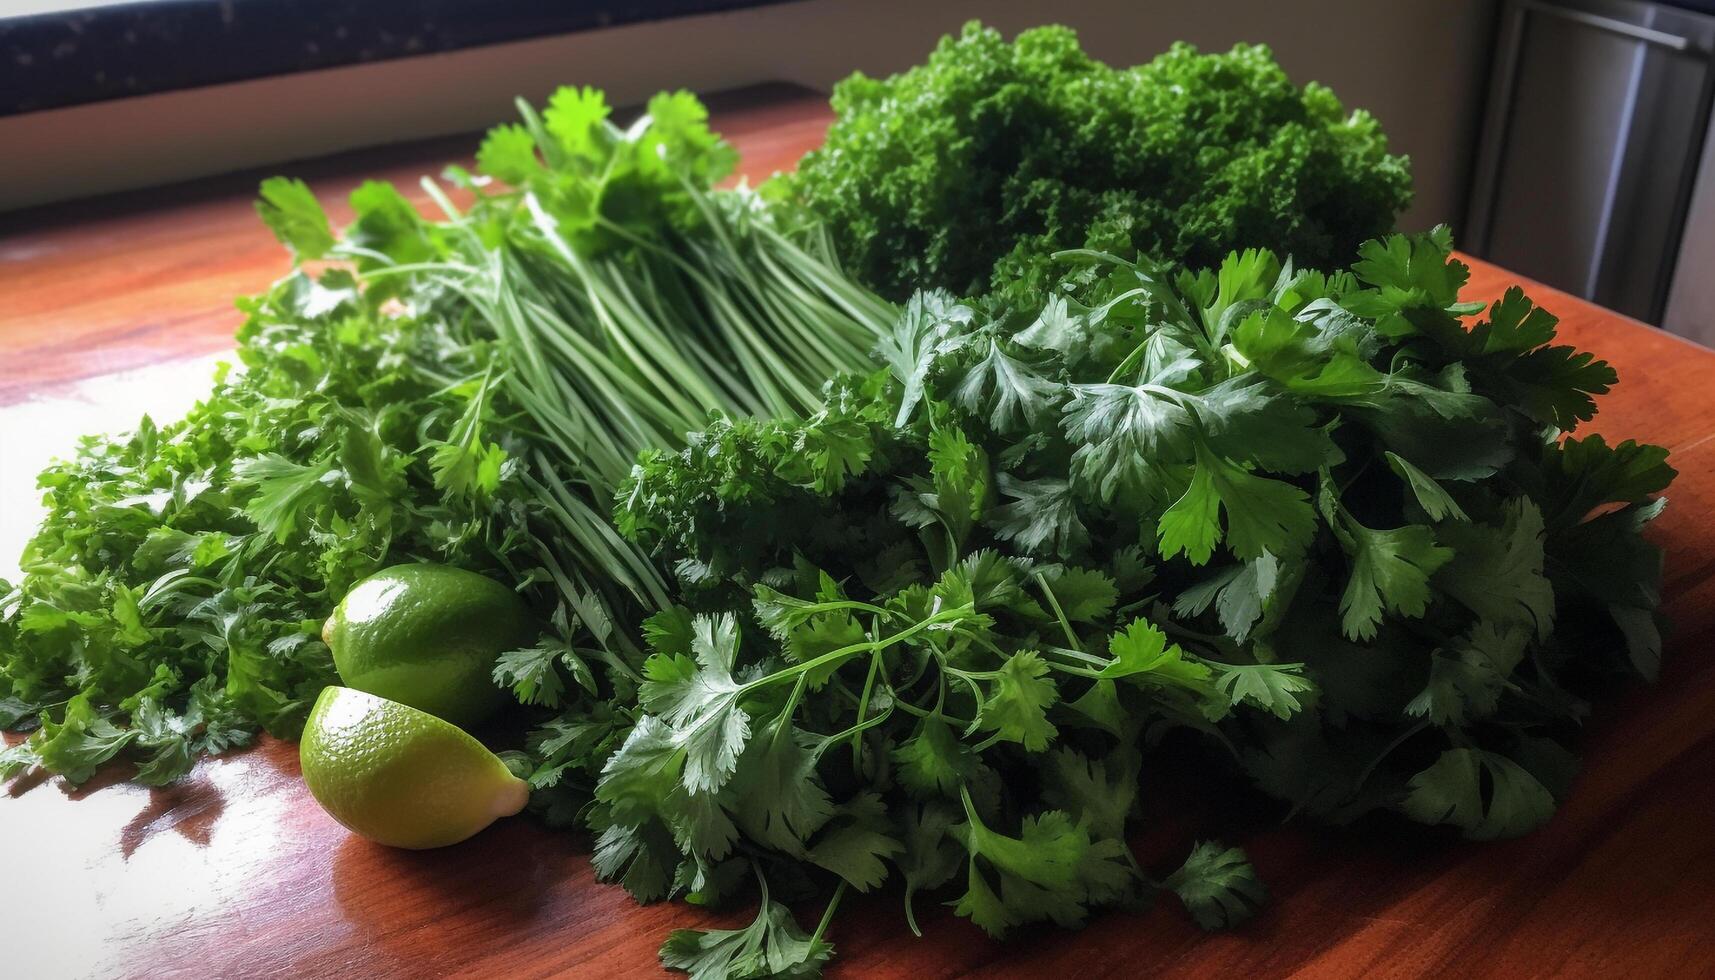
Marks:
<point>512,800</point>
<point>400,776</point>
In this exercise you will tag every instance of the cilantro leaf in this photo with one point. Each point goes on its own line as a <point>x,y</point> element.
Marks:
<point>700,701</point>
<point>1247,422</point>
<point>771,946</point>
<point>1052,870</point>
<point>1390,573</point>
<point>1583,474</point>
<point>1466,681</point>
<point>856,842</point>
<point>1123,435</point>
<point>1408,271</point>
<point>508,153</point>
<point>960,472</point>
<point>1041,517</point>
<point>778,797</point>
<point>1484,794</point>
<point>1249,598</point>
<point>930,857</point>
<point>1006,391</point>
<point>930,324</point>
<point>1098,793</point>
<point>1218,886</point>
<point>284,490</point>
<point>1271,687</point>
<point>934,761</point>
<point>533,676</point>
<point>1431,496</point>
<point>1497,572</point>
<point>1084,595</point>
<point>1142,649</point>
<point>1016,706</point>
<point>575,117</point>
<point>1558,385</point>
<point>1291,353</point>
<point>1264,516</point>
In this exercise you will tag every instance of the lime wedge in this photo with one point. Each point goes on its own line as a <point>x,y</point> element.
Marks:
<point>400,776</point>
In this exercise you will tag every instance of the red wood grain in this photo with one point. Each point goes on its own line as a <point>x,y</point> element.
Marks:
<point>237,872</point>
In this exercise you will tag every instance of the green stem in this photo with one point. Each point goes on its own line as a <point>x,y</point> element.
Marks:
<point>784,721</point>
<point>846,652</point>
<point>1088,658</point>
<point>828,913</point>
<point>1059,613</point>
<point>917,712</point>
<point>863,707</point>
<point>855,730</point>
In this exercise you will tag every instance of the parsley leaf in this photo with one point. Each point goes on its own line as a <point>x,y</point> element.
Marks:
<point>291,212</point>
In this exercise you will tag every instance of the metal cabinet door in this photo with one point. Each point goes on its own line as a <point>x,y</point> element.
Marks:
<point>1590,146</point>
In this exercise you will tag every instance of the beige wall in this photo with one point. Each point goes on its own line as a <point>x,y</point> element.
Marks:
<point>1419,65</point>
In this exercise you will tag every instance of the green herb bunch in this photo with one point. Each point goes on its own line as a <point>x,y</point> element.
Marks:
<point>172,600</point>
<point>966,172</point>
<point>1327,524</point>
<point>468,390</point>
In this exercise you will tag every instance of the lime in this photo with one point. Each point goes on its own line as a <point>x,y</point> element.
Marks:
<point>399,776</point>
<point>427,636</point>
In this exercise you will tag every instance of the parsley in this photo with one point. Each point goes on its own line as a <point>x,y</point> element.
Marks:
<point>968,171</point>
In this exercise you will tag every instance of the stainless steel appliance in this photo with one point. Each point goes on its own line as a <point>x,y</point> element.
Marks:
<point>1590,158</point>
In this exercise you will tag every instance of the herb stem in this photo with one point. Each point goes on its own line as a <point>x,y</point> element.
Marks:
<point>828,913</point>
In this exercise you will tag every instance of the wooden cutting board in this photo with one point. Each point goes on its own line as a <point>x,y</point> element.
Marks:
<point>114,308</point>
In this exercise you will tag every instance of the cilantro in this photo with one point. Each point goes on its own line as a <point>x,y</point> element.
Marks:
<point>778,797</point>
<point>1009,392</point>
<point>856,842</point>
<point>1075,531</point>
<point>1264,516</point>
<point>1218,886</point>
<point>1390,572</point>
<point>1467,680</point>
<point>1485,794</point>
<point>934,761</point>
<point>1053,870</point>
<point>771,946</point>
<point>1497,571</point>
<point>534,676</point>
<point>930,857</point>
<point>1016,708</point>
<point>1437,504</point>
<point>1041,517</point>
<point>1098,793</point>
<point>1272,687</point>
<point>699,700</point>
<point>508,153</point>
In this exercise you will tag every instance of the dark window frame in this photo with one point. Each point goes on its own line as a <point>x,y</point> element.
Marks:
<point>94,54</point>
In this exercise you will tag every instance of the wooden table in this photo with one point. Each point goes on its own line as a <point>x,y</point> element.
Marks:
<point>237,872</point>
